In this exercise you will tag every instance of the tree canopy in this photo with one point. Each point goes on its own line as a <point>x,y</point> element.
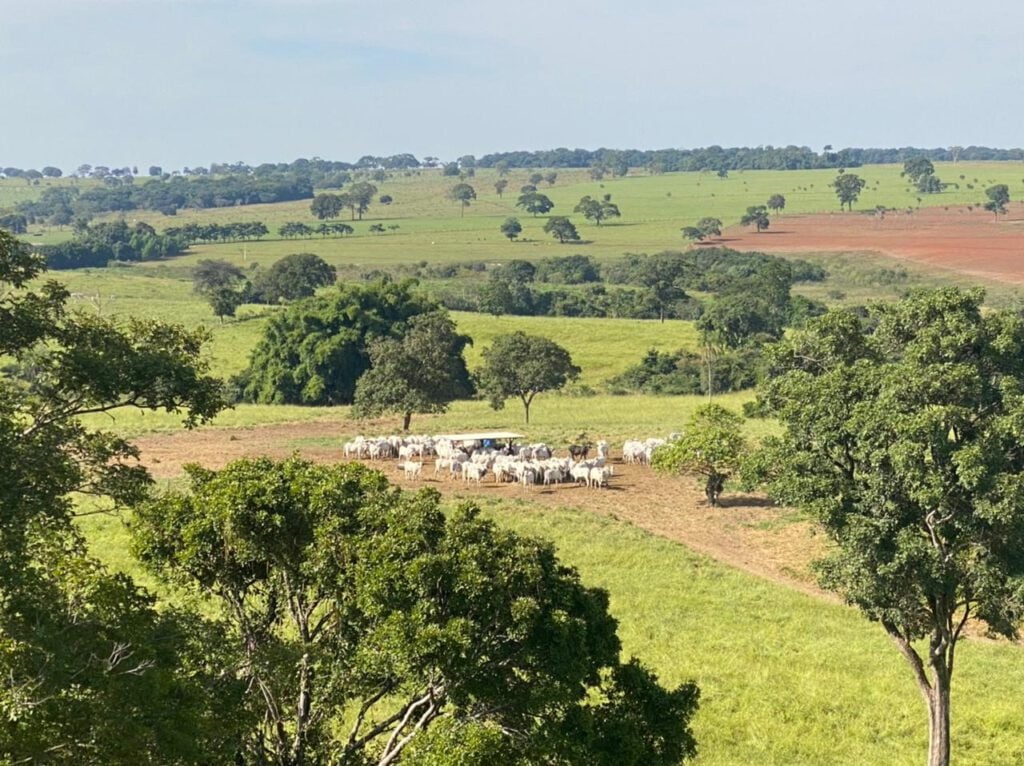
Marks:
<point>712,446</point>
<point>221,283</point>
<point>349,600</point>
<point>327,205</point>
<point>848,187</point>
<point>291,278</point>
<point>422,372</point>
<point>998,198</point>
<point>523,366</point>
<point>597,210</point>
<point>463,194</point>
<point>314,351</point>
<point>562,229</point>
<point>903,439</point>
<point>757,216</point>
<point>93,672</point>
<point>511,228</point>
<point>535,203</point>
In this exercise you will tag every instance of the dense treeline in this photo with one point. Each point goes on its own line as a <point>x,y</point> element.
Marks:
<point>327,174</point>
<point>167,195</point>
<point>632,287</point>
<point>95,246</point>
<point>219,232</point>
<point>737,158</point>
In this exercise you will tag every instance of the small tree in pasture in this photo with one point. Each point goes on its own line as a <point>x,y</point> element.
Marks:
<point>521,365</point>
<point>711,446</point>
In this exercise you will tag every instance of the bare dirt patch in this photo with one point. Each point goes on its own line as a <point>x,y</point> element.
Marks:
<point>967,241</point>
<point>745,533</point>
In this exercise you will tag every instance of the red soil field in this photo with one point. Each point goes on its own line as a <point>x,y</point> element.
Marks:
<point>971,242</point>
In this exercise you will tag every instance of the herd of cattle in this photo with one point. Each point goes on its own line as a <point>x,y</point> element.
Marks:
<point>526,464</point>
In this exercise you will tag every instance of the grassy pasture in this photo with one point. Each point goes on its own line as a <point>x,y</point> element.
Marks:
<point>555,418</point>
<point>654,208</point>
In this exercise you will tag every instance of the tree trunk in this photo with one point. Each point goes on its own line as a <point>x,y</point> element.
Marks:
<point>938,724</point>
<point>935,689</point>
<point>526,409</point>
<point>406,419</point>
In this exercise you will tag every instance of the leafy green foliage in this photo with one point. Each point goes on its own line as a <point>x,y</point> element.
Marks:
<point>904,443</point>
<point>712,446</point>
<point>535,203</point>
<point>597,210</point>
<point>511,228</point>
<point>562,229</point>
<point>523,365</point>
<point>680,373</point>
<point>433,634</point>
<point>93,673</point>
<point>776,203</point>
<point>848,187</point>
<point>291,278</point>
<point>327,205</point>
<point>222,284</point>
<point>463,194</point>
<point>314,351</point>
<point>569,270</point>
<point>756,215</point>
<point>998,199</point>
<point>421,372</point>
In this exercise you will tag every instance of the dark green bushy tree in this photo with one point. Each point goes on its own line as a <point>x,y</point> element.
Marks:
<point>314,351</point>
<point>443,638</point>
<point>291,278</point>
<point>521,365</point>
<point>93,672</point>
<point>423,371</point>
<point>904,443</point>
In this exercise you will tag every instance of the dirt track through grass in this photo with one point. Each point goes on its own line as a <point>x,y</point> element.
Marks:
<point>745,532</point>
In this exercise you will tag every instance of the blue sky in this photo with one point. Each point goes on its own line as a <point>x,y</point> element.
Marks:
<point>190,82</point>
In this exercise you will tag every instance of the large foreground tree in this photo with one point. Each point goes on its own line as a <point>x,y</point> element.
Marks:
<point>373,628</point>
<point>906,443</point>
<point>93,672</point>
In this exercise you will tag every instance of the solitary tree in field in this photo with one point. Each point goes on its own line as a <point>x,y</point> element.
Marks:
<point>776,203</point>
<point>756,215</point>
<point>521,365</point>
<point>463,194</point>
<point>562,228</point>
<point>550,178</point>
<point>222,284</point>
<point>511,228</point>
<point>904,442</point>
<point>705,228</point>
<point>359,197</point>
<point>998,199</point>
<point>535,203</point>
<point>500,185</point>
<point>536,178</point>
<point>597,210</point>
<point>423,371</point>
<point>848,187</point>
<point>711,446</point>
<point>326,206</point>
